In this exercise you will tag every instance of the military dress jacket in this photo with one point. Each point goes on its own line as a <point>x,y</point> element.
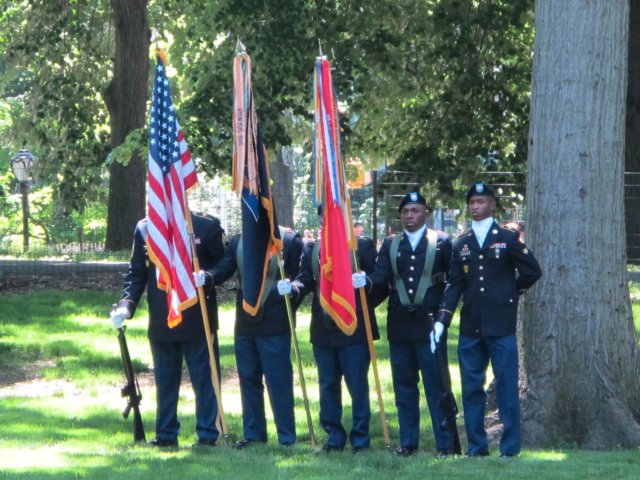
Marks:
<point>210,241</point>
<point>272,318</point>
<point>411,324</point>
<point>489,278</point>
<point>324,331</point>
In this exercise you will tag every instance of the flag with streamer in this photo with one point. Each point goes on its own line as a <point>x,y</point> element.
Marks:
<point>261,238</point>
<point>172,173</point>
<point>338,238</point>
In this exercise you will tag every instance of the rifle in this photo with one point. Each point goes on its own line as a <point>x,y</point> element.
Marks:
<point>131,390</point>
<point>447,402</point>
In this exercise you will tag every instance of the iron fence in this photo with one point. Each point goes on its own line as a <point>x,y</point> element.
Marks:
<point>80,250</point>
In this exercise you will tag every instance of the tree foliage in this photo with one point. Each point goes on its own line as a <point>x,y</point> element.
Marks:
<point>55,61</point>
<point>457,103</point>
<point>437,87</point>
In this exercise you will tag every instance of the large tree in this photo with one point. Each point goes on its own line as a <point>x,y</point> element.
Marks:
<point>126,99</point>
<point>632,157</point>
<point>581,355</point>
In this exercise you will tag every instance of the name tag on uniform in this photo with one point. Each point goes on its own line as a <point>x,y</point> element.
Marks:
<point>498,245</point>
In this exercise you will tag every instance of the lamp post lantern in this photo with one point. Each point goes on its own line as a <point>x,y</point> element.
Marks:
<point>22,166</point>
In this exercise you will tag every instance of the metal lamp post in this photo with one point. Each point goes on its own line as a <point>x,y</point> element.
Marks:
<point>22,165</point>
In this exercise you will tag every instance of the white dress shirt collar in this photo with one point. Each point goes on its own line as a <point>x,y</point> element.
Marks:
<point>481,228</point>
<point>415,237</point>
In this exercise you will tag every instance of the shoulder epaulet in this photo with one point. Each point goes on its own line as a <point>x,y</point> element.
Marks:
<point>204,215</point>
<point>466,233</point>
<point>509,231</point>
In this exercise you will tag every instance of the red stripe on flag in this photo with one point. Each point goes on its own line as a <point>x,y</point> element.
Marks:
<point>171,173</point>
<point>337,296</point>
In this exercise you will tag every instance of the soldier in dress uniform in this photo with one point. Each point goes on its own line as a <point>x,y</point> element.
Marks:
<point>338,355</point>
<point>169,346</point>
<point>414,264</point>
<point>263,346</point>
<point>490,268</point>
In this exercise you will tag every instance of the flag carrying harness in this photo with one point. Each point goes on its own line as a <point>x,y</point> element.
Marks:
<point>426,279</point>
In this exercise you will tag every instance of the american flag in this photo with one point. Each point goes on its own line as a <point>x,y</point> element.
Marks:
<point>172,173</point>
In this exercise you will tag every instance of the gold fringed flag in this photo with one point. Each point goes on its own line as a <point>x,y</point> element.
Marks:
<point>337,296</point>
<point>260,233</point>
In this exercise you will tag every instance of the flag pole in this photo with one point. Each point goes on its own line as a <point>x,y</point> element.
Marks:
<point>372,350</point>
<point>239,169</point>
<point>296,349</point>
<point>221,423</point>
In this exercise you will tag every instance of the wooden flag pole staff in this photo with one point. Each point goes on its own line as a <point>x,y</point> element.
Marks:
<point>296,349</point>
<point>221,423</point>
<point>372,354</point>
<point>342,195</point>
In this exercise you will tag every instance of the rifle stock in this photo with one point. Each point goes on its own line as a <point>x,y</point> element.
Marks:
<point>447,402</point>
<point>131,390</point>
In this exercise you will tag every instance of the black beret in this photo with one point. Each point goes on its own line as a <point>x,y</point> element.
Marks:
<point>412,197</point>
<point>480,189</point>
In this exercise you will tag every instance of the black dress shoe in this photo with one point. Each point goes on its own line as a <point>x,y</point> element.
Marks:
<point>205,442</point>
<point>405,451</point>
<point>159,442</point>
<point>508,455</point>
<point>445,452</point>
<point>359,449</point>
<point>240,444</point>
<point>478,454</point>
<point>326,448</point>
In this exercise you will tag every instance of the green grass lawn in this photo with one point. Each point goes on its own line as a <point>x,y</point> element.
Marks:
<point>60,411</point>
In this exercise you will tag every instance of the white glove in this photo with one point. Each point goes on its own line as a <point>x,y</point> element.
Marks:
<point>359,279</point>
<point>200,277</point>
<point>117,317</point>
<point>435,335</point>
<point>284,287</point>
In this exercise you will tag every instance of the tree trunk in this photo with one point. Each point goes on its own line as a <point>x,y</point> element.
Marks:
<point>126,98</point>
<point>282,189</point>
<point>581,357</point>
<point>632,140</point>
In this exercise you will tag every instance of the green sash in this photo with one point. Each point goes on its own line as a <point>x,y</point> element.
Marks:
<point>425,279</point>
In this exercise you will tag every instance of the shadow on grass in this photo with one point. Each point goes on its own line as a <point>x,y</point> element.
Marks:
<point>58,358</point>
<point>41,426</point>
